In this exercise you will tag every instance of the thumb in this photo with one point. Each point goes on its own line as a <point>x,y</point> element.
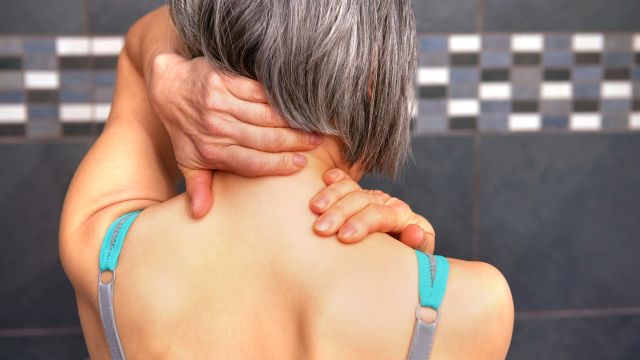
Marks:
<point>198,183</point>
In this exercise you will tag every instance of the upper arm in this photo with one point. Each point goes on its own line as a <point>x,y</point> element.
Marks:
<point>130,166</point>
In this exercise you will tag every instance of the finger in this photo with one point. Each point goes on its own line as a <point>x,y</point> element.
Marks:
<point>373,218</point>
<point>332,193</point>
<point>245,88</point>
<point>251,163</point>
<point>254,113</point>
<point>415,237</point>
<point>272,139</point>
<point>349,205</point>
<point>198,184</point>
<point>333,175</point>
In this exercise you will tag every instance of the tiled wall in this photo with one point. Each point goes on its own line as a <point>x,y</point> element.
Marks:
<point>525,149</point>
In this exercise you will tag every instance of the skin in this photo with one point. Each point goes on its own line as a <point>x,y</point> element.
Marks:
<point>225,123</point>
<point>166,306</point>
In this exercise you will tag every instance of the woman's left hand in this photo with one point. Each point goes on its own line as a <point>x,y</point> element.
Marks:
<point>353,213</point>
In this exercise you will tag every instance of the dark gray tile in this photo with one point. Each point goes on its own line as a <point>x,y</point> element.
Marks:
<point>41,17</point>
<point>64,347</point>
<point>559,217</point>
<point>438,184</point>
<point>561,15</point>
<point>43,128</point>
<point>445,16</point>
<point>33,183</point>
<point>493,121</point>
<point>614,337</point>
<point>116,16</point>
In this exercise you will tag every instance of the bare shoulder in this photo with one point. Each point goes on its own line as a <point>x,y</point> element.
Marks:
<point>476,317</point>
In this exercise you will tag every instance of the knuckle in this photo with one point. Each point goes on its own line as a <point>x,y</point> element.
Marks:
<point>214,80</point>
<point>215,127</point>
<point>209,152</point>
<point>275,139</point>
<point>215,100</point>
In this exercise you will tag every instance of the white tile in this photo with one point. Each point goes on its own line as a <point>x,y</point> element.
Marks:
<point>431,76</point>
<point>464,43</point>
<point>12,113</point>
<point>616,90</point>
<point>463,107</point>
<point>527,42</point>
<point>585,122</point>
<point>107,45</point>
<point>101,111</point>
<point>634,121</point>
<point>556,90</point>
<point>636,42</point>
<point>495,91</point>
<point>588,42</point>
<point>72,45</point>
<point>76,112</point>
<point>41,79</point>
<point>525,122</point>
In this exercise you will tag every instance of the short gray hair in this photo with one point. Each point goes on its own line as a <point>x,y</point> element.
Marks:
<point>334,67</point>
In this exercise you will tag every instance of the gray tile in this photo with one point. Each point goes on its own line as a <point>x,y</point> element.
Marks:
<point>432,123</point>
<point>557,42</point>
<point>559,217</point>
<point>493,122</point>
<point>438,184</point>
<point>492,59</point>
<point>432,107</point>
<point>555,107</point>
<point>12,96</point>
<point>40,61</point>
<point>614,337</point>
<point>586,90</point>
<point>449,16</point>
<point>116,16</point>
<point>41,17</point>
<point>44,347</point>
<point>557,58</point>
<point>526,75</point>
<point>587,73</point>
<point>71,78</point>
<point>524,91</point>
<point>615,121</point>
<point>35,173</point>
<point>615,106</point>
<point>433,43</point>
<point>617,42</point>
<point>636,74</point>
<point>39,45</point>
<point>561,15</point>
<point>103,94</point>
<point>433,59</point>
<point>555,122</point>
<point>464,74</point>
<point>43,111</point>
<point>463,90</point>
<point>10,45</point>
<point>496,107</point>
<point>11,80</point>
<point>617,58</point>
<point>496,42</point>
<point>104,77</point>
<point>74,95</point>
<point>43,128</point>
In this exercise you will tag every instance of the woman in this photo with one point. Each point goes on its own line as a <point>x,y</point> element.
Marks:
<point>251,279</point>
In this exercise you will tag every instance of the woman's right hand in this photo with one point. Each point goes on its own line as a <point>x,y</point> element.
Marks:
<point>220,122</point>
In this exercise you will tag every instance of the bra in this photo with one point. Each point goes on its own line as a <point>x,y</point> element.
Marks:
<point>433,272</point>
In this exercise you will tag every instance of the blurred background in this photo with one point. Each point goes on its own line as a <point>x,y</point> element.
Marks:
<point>525,155</point>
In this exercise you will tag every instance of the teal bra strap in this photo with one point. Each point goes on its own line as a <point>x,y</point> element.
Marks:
<point>433,271</point>
<point>113,240</point>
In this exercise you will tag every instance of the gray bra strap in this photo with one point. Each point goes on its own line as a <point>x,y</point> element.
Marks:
<point>105,302</point>
<point>422,339</point>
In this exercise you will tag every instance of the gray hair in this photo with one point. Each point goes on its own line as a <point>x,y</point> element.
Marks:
<point>334,67</point>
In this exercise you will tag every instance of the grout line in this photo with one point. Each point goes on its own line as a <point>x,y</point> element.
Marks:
<point>577,313</point>
<point>75,330</point>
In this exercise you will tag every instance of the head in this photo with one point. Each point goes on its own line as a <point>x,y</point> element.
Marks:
<point>342,68</point>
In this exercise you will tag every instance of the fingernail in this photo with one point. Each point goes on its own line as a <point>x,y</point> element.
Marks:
<point>315,139</point>
<point>299,160</point>
<point>323,224</point>
<point>347,232</point>
<point>321,202</point>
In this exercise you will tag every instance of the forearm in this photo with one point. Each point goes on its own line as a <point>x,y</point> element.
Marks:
<point>151,35</point>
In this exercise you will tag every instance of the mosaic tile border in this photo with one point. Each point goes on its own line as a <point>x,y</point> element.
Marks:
<point>497,82</point>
